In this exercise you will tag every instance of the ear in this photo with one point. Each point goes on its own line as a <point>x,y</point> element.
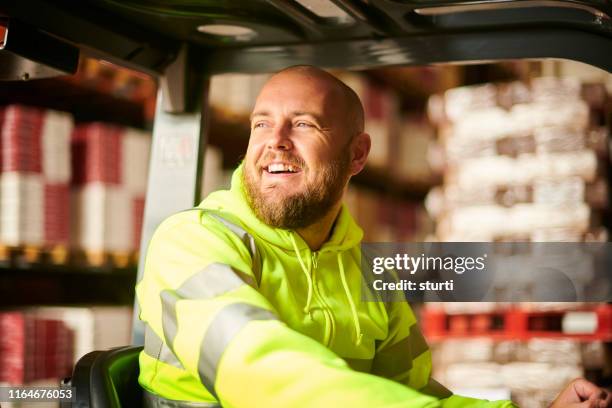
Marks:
<point>360,148</point>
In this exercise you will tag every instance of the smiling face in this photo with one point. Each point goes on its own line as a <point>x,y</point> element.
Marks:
<point>298,161</point>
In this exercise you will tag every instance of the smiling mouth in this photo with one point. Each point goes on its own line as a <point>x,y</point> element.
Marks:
<point>281,168</point>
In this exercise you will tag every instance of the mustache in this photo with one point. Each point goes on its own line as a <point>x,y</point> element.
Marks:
<point>284,157</point>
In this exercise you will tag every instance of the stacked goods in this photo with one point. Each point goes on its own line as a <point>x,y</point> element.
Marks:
<point>523,161</point>
<point>45,342</point>
<point>532,373</point>
<point>35,176</point>
<point>94,328</point>
<point>413,156</point>
<point>36,348</point>
<point>136,146</point>
<point>109,182</point>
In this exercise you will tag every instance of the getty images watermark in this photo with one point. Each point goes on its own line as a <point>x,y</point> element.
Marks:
<point>407,264</point>
<point>492,272</point>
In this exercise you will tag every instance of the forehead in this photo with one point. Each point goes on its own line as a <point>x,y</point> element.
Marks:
<point>298,92</point>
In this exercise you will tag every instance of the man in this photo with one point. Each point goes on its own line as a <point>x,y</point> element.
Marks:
<point>253,298</point>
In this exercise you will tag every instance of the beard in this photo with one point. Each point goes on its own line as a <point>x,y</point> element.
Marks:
<point>304,208</point>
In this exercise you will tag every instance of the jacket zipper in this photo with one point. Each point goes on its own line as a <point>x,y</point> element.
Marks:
<point>329,318</point>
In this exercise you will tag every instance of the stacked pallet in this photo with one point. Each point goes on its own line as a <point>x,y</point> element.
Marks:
<point>109,181</point>
<point>36,348</point>
<point>523,161</point>
<point>94,328</point>
<point>45,342</point>
<point>531,373</point>
<point>35,176</point>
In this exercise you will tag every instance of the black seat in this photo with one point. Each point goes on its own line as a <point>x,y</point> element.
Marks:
<point>107,379</point>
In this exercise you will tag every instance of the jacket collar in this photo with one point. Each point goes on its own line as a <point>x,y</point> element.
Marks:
<point>345,233</point>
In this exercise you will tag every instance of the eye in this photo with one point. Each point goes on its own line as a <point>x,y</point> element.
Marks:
<point>303,124</point>
<point>259,125</point>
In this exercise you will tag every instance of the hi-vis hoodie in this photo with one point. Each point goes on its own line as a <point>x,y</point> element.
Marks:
<point>246,315</point>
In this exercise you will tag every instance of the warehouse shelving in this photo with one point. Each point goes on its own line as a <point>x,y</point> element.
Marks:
<point>34,284</point>
<point>31,275</point>
<point>85,103</point>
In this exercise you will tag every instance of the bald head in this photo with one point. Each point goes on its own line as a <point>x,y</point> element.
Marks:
<point>348,99</point>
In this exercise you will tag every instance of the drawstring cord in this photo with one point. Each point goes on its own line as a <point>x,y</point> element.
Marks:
<point>358,334</point>
<point>347,291</point>
<point>308,277</point>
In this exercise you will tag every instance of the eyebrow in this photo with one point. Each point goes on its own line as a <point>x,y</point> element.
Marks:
<point>294,113</point>
<point>259,113</point>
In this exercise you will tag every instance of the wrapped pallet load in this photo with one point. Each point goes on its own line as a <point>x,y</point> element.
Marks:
<point>524,162</point>
<point>35,178</point>
<point>108,187</point>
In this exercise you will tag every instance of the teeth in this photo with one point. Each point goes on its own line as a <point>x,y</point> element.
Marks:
<point>280,167</point>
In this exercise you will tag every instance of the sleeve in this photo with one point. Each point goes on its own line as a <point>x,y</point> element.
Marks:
<point>199,294</point>
<point>405,357</point>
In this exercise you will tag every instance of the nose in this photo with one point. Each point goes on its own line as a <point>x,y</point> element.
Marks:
<point>280,138</point>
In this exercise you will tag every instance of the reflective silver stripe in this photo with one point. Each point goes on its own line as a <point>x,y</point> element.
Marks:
<point>151,400</point>
<point>247,239</point>
<point>169,300</point>
<point>221,331</point>
<point>214,280</point>
<point>156,348</point>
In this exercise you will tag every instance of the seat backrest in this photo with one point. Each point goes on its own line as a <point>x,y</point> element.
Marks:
<point>108,379</point>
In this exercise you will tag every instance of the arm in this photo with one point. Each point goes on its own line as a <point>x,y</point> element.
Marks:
<point>199,295</point>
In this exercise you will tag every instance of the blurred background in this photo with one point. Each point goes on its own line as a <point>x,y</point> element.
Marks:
<point>512,151</point>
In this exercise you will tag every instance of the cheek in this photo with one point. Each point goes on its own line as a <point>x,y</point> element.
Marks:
<point>253,153</point>
<point>316,158</point>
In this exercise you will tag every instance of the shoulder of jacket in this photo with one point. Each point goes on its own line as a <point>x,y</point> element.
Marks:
<point>217,222</point>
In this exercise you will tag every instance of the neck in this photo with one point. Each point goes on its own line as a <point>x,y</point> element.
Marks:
<point>318,233</point>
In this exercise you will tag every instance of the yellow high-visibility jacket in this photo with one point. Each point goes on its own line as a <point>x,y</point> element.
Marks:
<point>246,315</point>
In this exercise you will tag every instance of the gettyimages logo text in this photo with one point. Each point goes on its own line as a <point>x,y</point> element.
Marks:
<point>405,263</point>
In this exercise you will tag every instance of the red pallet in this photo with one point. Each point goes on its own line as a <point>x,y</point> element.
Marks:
<point>512,324</point>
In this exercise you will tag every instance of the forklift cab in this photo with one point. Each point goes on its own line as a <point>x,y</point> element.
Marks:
<point>184,43</point>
